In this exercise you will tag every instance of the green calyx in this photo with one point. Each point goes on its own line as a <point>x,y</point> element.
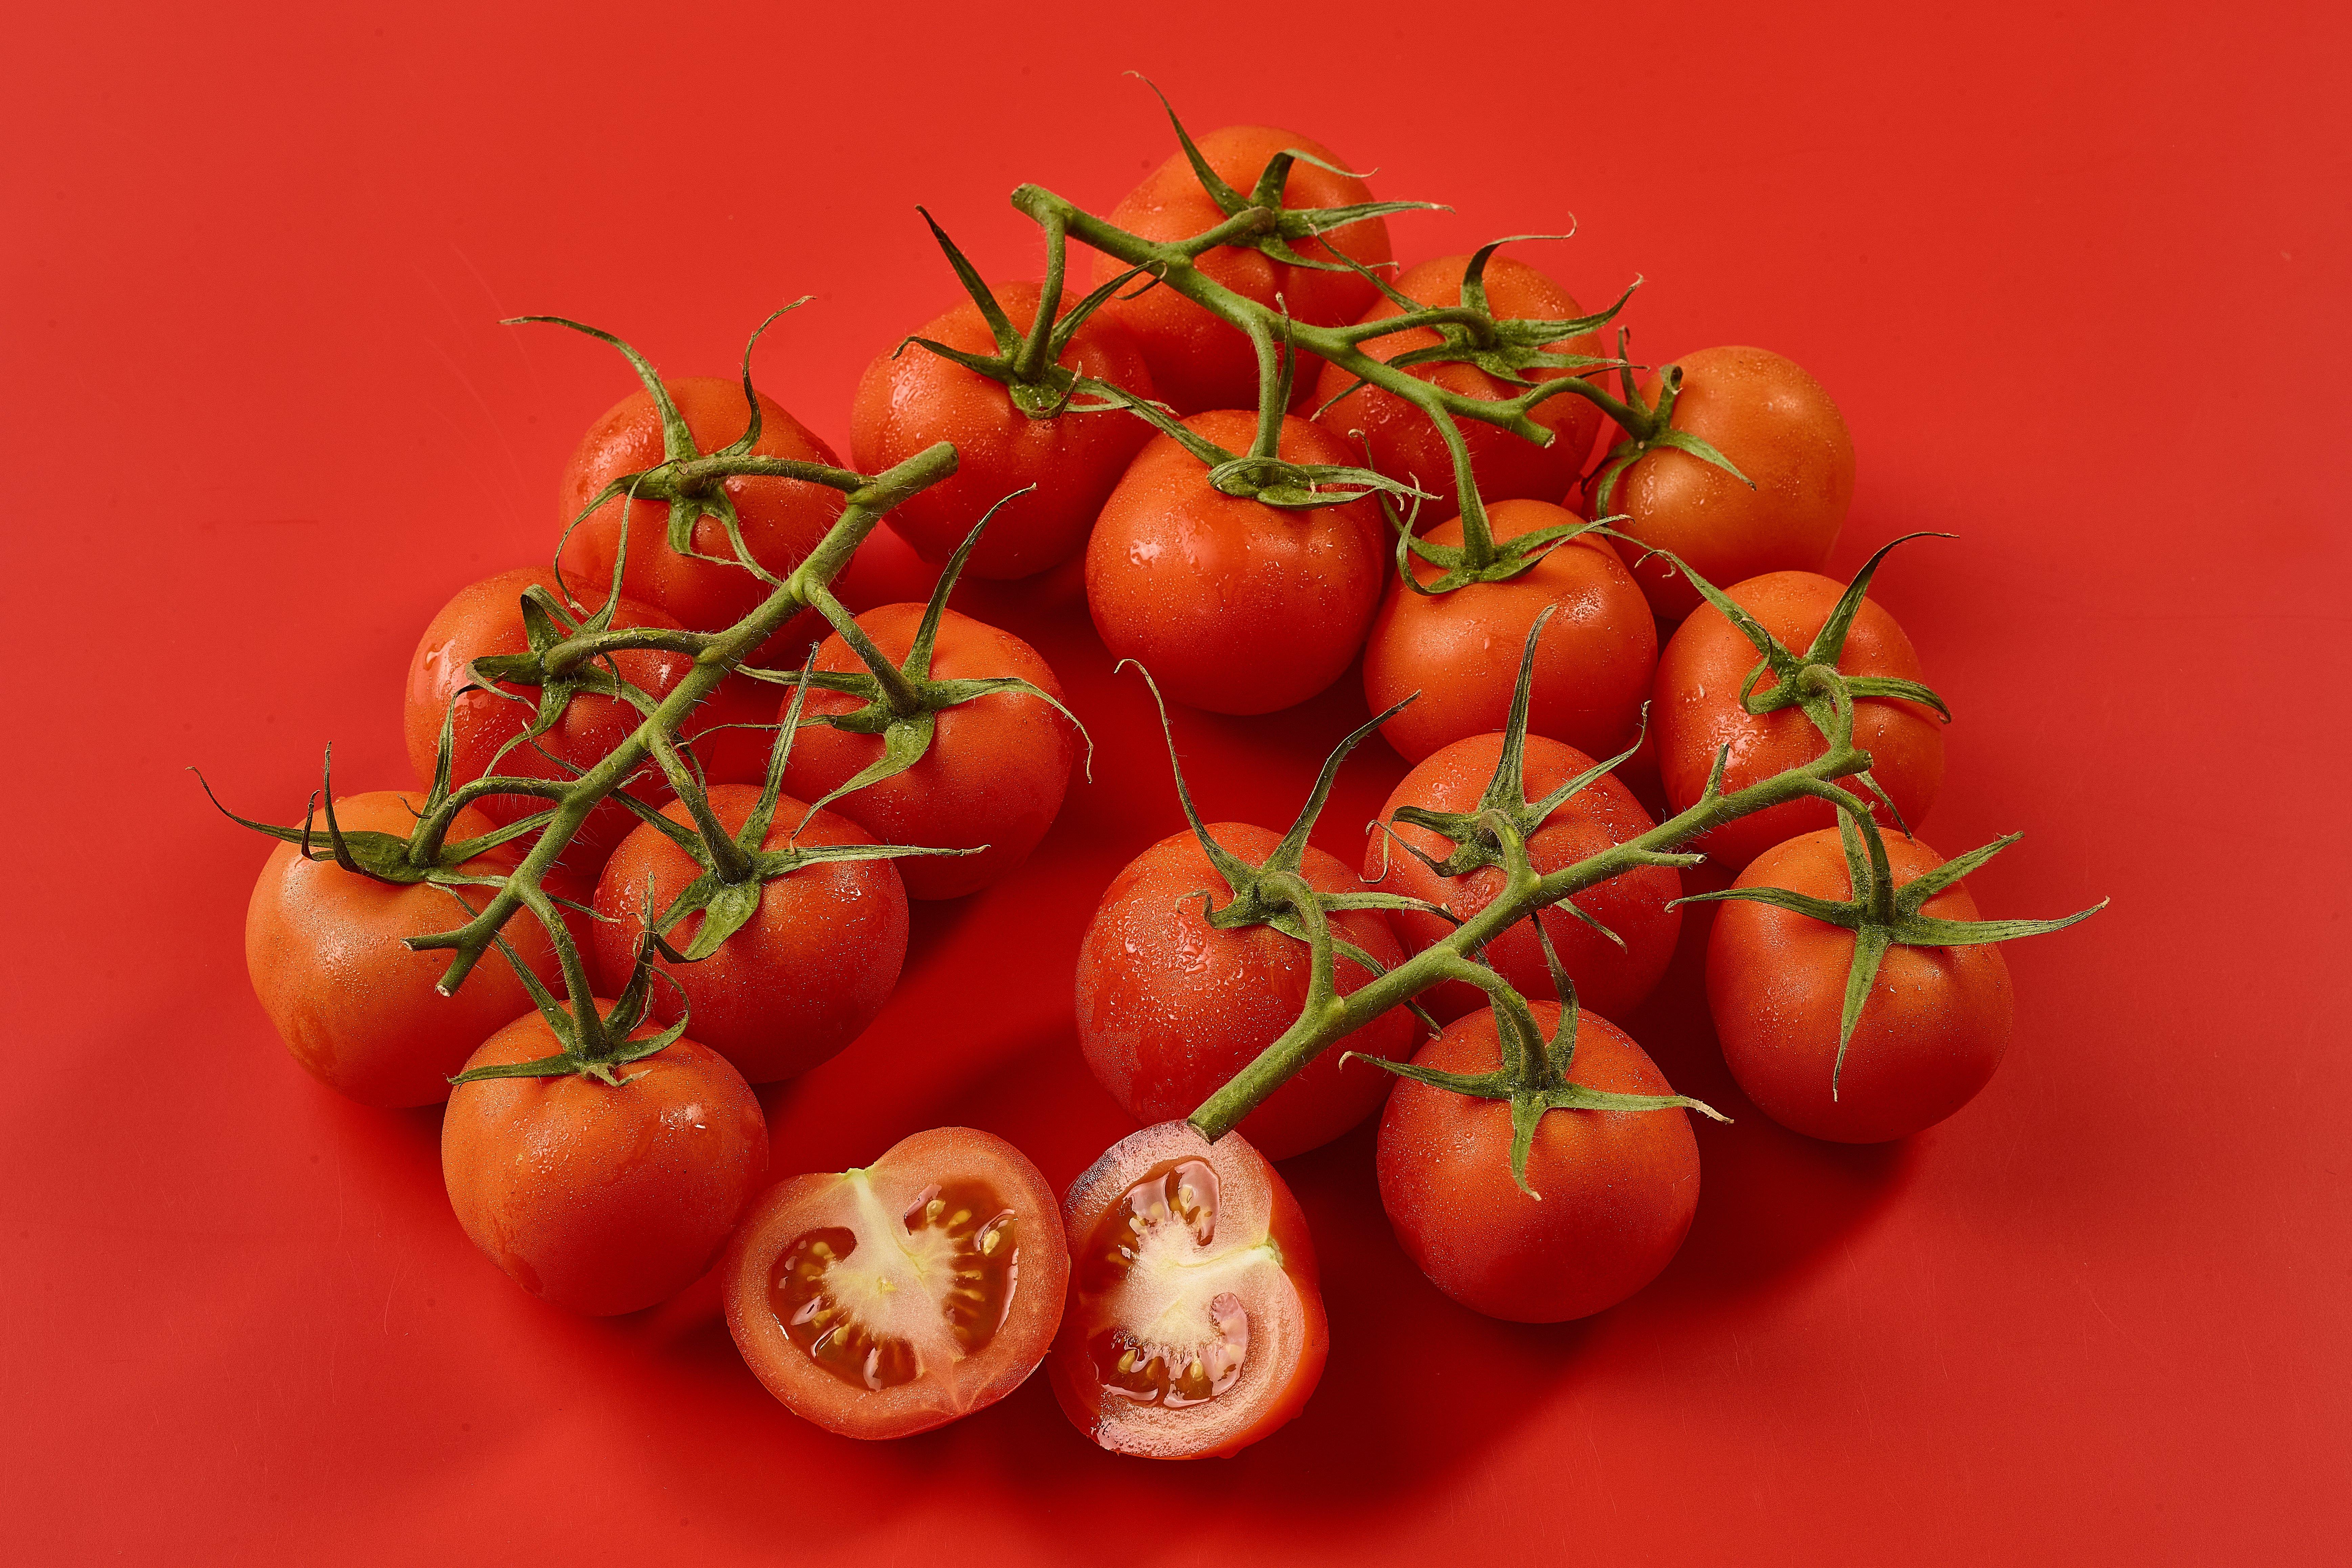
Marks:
<point>1647,428</point>
<point>595,1044</point>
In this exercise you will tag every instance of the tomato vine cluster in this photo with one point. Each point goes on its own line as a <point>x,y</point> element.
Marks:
<point>711,792</point>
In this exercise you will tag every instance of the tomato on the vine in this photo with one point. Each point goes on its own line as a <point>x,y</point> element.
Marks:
<point>893,1299</point>
<point>1195,1324</point>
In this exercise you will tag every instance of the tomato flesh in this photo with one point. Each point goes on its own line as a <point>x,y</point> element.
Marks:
<point>1188,1351</point>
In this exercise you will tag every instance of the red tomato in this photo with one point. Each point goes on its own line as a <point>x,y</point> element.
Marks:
<point>1697,710</point>
<point>1637,905</point>
<point>1197,361</point>
<point>782,520</point>
<point>801,978</point>
<point>358,1010</point>
<point>1460,650</point>
<point>995,774</point>
<point>1405,444</point>
<point>1618,1187</point>
<point>1195,1325</point>
<point>882,1301</point>
<point>910,399</point>
<point>1930,1035</point>
<point>1234,606</point>
<point>1776,425</point>
<point>601,1199</point>
<point>485,620</point>
<point>1169,1006</point>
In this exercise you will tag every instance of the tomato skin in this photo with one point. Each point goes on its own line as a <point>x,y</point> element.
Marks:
<point>1292,1325</point>
<point>1197,361</point>
<point>597,1199</point>
<point>1619,1187</point>
<point>1697,710</point>
<point>1931,1033</point>
<point>910,398</point>
<point>1404,442</point>
<point>1234,606</point>
<point>796,1204</point>
<point>356,1008</point>
<point>1460,650</point>
<point>1635,905</point>
<point>1169,1007</point>
<point>801,978</point>
<point>995,774</point>
<point>1776,425</point>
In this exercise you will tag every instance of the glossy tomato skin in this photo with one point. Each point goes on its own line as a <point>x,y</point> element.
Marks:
<point>1405,444</point>
<point>995,774</point>
<point>1618,1187</point>
<point>1697,710</point>
<point>1931,1033</point>
<point>1169,1007</point>
<point>895,1186</point>
<point>1782,431</point>
<point>1460,650</point>
<point>1277,1289</point>
<point>1232,606</point>
<point>598,1199</point>
<point>782,520</point>
<point>359,1010</point>
<point>910,398</point>
<point>485,620</point>
<point>801,978</point>
<point>1636,905</point>
<point>1197,361</point>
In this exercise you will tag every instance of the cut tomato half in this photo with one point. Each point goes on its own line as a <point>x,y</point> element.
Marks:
<point>1195,1326</point>
<point>891,1299</point>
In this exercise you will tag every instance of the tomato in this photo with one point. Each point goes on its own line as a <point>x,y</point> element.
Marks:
<point>1460,649</point>
<point>1197,361</point>
<point>1404,442</point>
<point>1618,1187</point>
<point>994,774</point>
<point>1781,429</point>
<point>1636,905</point>
<point>1234,606</point>
<point>485,620</point>
<point>596,1198</point>
<point>1697,708</point>
<point>888,1301</point>
<point>798,981</point>
<point>1195,1325</point>
<point>1169,1006</point>
<point>910,398</point>
<point>781,520</point>
<point>358,1010</point>
<point>1933,1029</point>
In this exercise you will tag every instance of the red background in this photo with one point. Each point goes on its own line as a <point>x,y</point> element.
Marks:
<point>2077,277</point>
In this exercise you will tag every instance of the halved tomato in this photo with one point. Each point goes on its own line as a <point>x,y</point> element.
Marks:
<point>888,1300</point>
<point>1195,1325</point>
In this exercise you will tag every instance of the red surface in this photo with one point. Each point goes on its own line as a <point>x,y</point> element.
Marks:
<point>2077,277</point>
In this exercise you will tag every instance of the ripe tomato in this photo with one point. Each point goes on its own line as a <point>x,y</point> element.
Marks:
<point>995,773</point>
<point>881,1302</point>
<point>1195,1325</point>
<point>1197,361</point>
<point>1169,1006</point>
<point>910,399</point>
<point>1234,606</point>
<point>603,1199</point>
<point>1781,429</point>
<point>1697,710</point>
<point>358,1010</point>
<point>1460,650</point>
<point>799,980</point>
<point>1637,905</point>
<point>1404,442</point>
<point>1931,1033</point>
<point>1618,1187</point>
